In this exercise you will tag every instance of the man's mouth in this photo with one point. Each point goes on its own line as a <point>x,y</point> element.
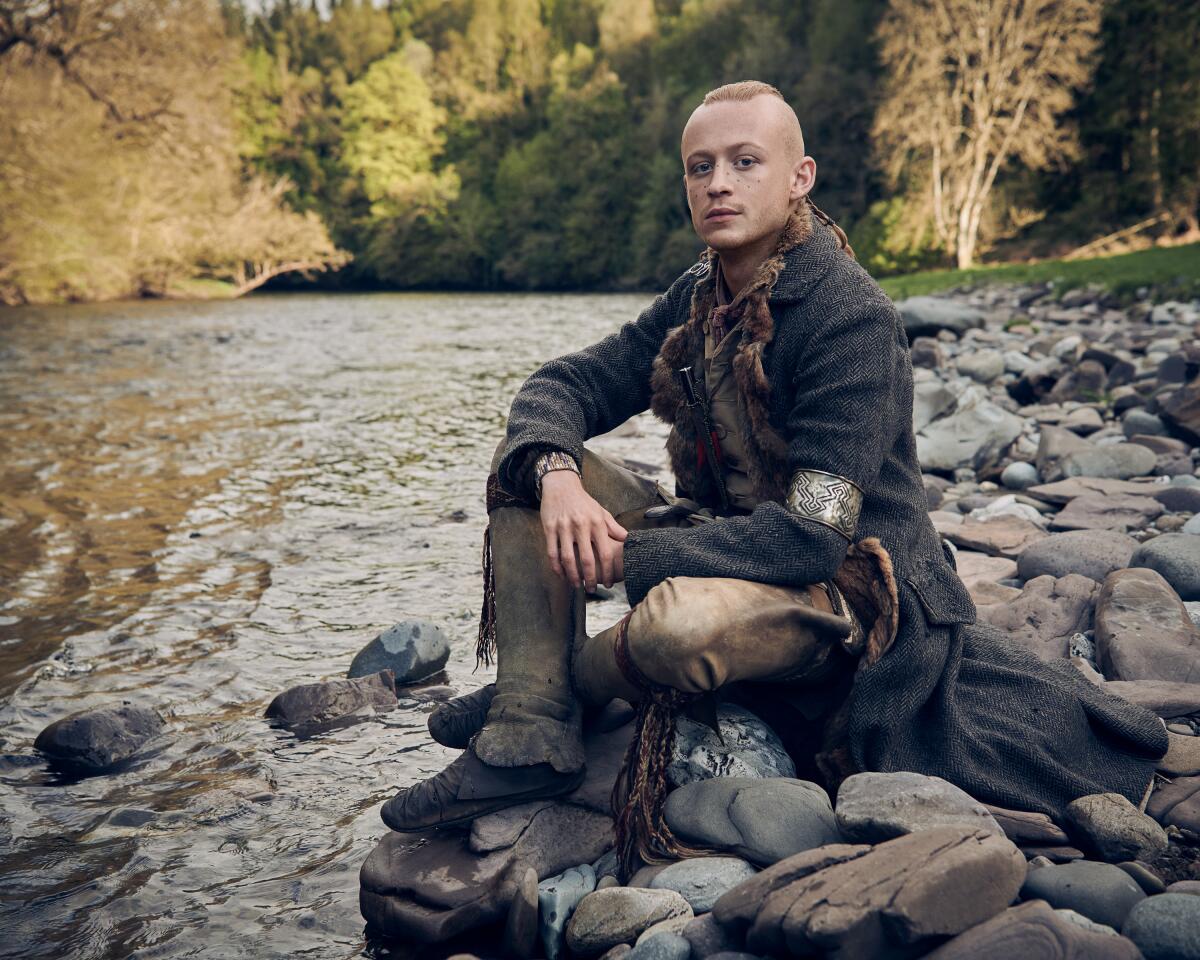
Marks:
<point>720,213</point>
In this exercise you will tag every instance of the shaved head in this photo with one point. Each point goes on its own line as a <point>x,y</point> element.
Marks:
<point>747,90</point>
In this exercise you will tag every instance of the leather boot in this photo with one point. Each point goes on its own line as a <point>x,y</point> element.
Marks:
<point>455,722</point>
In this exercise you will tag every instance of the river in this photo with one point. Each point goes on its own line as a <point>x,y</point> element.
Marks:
<point>202,504</point>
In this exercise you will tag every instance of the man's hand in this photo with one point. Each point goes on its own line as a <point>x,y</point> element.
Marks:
<point>583,540</point>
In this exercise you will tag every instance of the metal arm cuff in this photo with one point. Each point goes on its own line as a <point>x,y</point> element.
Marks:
<point>825,498</point>
<point>547,462</point>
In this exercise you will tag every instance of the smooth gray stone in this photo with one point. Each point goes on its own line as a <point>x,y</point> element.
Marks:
<point>412,650</point>
<point>96,739</point>
<point>1179,499</point>
<point>1118,461</point>
<point>1089,553</point>
<point>873,807</point>
<point>1100,891</point>
<point>605,918</point>
<point>924,316</point>
<point>747,747</point>
<point>762,820</point>
<point>334,700</point>
<point>1177,557</point>
<point>1116,828</point>
<point>931,399</point>
<point>1192,527</point>
<point>983,366</point>
<point>1146,878</point>
<point>707,937</point>
<point>975,435</point>
<point>701,881</point>
<point>1138,420</point>
<point>1019,475</point>
<point>1143,631</point>
<point>557,899</point>
<point>1166,927</point>
<point>663,946</point>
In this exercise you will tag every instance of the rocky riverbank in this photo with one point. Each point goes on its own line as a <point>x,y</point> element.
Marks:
<point>1060,440</point>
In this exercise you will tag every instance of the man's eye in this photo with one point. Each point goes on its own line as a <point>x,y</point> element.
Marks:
<point>700,168</point>
<point>747,161</point>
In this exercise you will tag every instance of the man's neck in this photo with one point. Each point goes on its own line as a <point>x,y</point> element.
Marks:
<point>739,266</point>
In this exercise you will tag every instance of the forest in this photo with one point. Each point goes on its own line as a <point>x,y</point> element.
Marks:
<point>190,147</point>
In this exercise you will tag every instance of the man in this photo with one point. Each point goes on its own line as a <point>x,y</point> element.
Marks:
<point>796,565</point>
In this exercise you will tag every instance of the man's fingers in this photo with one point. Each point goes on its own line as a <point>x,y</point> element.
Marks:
<point>552,549</point>
<point>587,558</point>
<point>601,543</point>
<point>568,558</point>
<point>615,530</point>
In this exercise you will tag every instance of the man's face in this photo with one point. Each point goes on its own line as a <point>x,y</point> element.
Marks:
<point>744,168</point>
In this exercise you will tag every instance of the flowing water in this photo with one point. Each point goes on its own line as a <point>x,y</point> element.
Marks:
<point>201,505</point>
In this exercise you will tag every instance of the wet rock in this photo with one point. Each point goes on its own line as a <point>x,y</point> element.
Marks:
<point>1099,891</point>
<point>412,650</point>
<point>706,937</point>
<point>893,900</point>
<point>702,881</point>
<point>925,316</point>
<point>1034,931</point>
<point>1114,827</point>
<point>872,807</point>
<point>974,435</point>
<point>762,820</point>
<point>1088,553</point>
<point>1118,461</point>
<point>314,704</point>
<point>1177,557</point>
<point>1166,927</point>
<point>747,747</point>
<point>521,928</point>
<point>1046,614</point>
<point>605,918</point>
<point>1019,475</point>
<point>998,537</point>
<point>1143,631</point>
<point>1094,511</point>
<point>97,739</point>
<point>1183,756</point>
<point>663,946</point>
<point>557,899</point>
<point>1163,697</point>
<point>1177,804</point>
<point>1025,827</point>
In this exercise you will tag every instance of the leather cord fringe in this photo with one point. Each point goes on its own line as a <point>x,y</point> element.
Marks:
<point>485,642</point>
<point>832,225</point>
<point>640,790</point>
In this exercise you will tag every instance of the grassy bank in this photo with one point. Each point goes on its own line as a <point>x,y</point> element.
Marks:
<point>1173,272</point>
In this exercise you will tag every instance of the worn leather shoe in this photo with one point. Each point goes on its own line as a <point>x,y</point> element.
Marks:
<point>470,788</point>
<point>456,721</point>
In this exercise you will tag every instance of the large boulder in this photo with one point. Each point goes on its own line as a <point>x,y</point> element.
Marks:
<point>1177,557</point>
<point>925,316</point>
<point>1048,612</point>
<point>901,896</point>
<point>97,739</point>
<point>761,820</point>
<point>412,650</point>
<point>1035,931</point>
<point>975,435</point>
<point>334,701</point>
<point>931,399</point>
<point>872,807</point>
<point>1089,553</point>
<point>1177,804</point>
<point>1166,698</point>
<point>1143,631</point>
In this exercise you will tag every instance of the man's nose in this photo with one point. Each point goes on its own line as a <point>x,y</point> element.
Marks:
<point>718,183</point>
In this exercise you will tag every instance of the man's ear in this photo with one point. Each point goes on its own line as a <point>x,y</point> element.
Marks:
<point>804,178</point>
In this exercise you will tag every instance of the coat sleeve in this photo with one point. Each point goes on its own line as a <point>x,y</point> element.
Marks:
<point>583,394</point>
<point>846,382</point>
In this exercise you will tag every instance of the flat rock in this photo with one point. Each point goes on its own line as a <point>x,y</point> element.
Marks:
<point>1143,631</point>
<point>333,701</point>
<point>1115,828</point>
<point>872,807</point>
<point>976,568</point>
<point>1183,756</point>
<point>1100,891</point>
<point>747,747</point>
<point>898,897</point>
<point>1026,827</point>
<point>998,537</point>
<point>1088,553</point>
<point>1165,698</point>
<point>975,435</point>
<point>761,820</point>
<point>1177,803</point>
<point>702,881</point>
<point>1118,461</point>
<point>1166,927</point>
<point>411,649</point>
<point>1177,557</point>
<point>1063,491</point>
<point>99,738</point>
<point>931,399</point>
<point>1096,511</point>
<point>605,918</point>
<point>925,316</point>
<point>1034,931</point>
<point>1046,614</point>
<point>558,897</point>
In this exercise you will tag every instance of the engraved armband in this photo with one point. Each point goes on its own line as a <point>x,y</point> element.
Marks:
<point>553,460</point>
<point>825,498</point>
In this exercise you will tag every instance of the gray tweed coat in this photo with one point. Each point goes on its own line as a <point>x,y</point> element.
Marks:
<point>826,384</point>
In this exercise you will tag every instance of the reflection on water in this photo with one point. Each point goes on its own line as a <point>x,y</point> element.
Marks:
<point>200,505</point>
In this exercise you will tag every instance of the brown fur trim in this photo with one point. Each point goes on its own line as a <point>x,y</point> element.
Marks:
<point>869,585</point>
<point>766,449</point>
